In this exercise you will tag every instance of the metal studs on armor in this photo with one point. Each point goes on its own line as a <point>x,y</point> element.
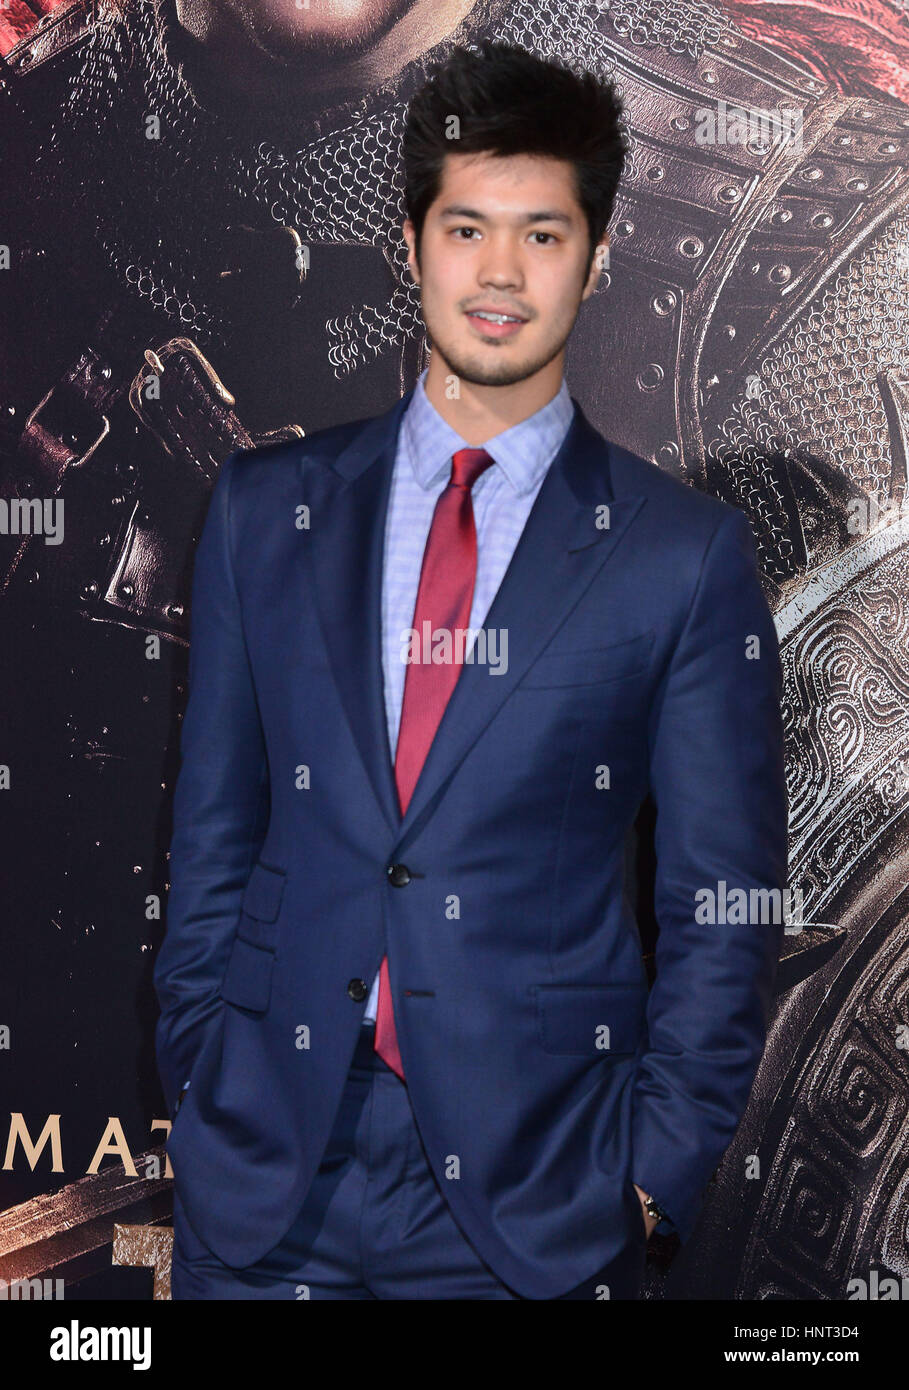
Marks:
<point>650,378</point>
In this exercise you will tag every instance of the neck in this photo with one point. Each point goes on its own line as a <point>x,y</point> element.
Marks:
<point>481,412</point>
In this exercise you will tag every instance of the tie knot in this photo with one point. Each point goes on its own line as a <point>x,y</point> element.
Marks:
<point>467,465</point>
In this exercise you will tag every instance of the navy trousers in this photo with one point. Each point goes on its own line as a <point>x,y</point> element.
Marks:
<point>374,1223</point>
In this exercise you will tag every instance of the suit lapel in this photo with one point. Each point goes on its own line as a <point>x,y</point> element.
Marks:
<point>348,501</point>
<point>563,546</point>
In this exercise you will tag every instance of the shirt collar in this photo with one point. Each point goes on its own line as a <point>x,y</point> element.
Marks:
<point>523,452</point>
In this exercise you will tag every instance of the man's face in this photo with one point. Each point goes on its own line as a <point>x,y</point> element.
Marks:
<point>315,52</point>
<point>292,28</point>
<point>507,236</point>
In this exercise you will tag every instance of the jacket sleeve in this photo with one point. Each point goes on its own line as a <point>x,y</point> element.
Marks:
<point>717,777</point>
<point>221,804</point>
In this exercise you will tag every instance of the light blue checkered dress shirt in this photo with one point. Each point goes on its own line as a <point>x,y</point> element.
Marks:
<point>502,498</point>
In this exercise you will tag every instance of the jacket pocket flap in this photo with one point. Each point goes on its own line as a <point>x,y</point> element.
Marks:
<point>247,981</point>
<point>599,1020</point>
<point>262,897</point>
<point>592,666</point>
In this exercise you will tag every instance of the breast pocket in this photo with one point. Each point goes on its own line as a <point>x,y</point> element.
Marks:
<point>247,980</point>
<point>590,665</point>
<point>591,1020</point>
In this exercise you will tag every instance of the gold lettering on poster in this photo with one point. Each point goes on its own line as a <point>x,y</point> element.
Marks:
<point>113,1141</point>
<point>18,1132</point>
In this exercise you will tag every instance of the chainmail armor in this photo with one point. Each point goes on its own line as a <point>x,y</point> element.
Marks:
<point>341,186</point>
<point>817,390</point>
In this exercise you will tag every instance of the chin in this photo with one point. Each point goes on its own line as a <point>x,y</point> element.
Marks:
<point>496,366</point>
<point>327,25</point>
<point>496,374</point>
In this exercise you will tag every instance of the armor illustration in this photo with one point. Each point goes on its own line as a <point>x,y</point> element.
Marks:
<point>189,275</point>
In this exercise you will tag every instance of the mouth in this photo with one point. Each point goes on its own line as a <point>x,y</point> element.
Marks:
<point>494,325</point>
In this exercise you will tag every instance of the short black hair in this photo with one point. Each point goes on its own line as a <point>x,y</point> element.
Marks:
<point>508,101</point>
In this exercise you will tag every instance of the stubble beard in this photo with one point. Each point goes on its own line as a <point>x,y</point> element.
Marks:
<point>472,369</point>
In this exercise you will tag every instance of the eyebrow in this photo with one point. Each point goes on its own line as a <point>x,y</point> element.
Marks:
<point>545,215</point>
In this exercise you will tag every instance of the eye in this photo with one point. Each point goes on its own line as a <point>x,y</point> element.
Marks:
<point>463,229</point>
<point>549,235</point>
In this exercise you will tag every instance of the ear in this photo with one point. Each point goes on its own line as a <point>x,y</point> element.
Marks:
<point>410,236</point>
<point>599,263</point>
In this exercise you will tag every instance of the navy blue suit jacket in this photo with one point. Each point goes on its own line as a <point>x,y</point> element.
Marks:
<point>544,1077</point>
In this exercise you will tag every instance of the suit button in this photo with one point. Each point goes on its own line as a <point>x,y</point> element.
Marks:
<point>357,990</point>
<point>398,875</point>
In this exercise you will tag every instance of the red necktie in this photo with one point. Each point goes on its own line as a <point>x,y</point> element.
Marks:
<point>444,599</point>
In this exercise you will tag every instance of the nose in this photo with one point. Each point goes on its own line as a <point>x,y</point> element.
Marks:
<point>500,265</point>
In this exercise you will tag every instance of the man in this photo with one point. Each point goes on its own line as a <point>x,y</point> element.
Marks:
<point>438,658</point>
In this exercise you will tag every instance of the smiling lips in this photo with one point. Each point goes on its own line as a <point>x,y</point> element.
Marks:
<point>494,323</point>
